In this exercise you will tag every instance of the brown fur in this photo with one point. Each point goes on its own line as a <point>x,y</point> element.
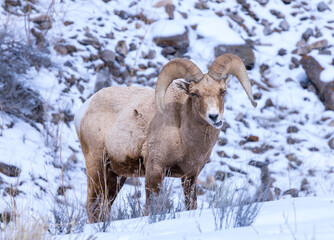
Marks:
<point>123,132</point>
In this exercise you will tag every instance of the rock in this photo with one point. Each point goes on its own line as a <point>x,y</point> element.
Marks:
<point>284,25</point>
<point>282,52</point>
<point>121,48</point>
<point>331,143</point>
<point>107,56</point>
<point>313,149</point>
<point>225,126</point>
<point>62,189</point>
<point>319,44</point>
<point>292,129</point>
<point>201,5</point>
<point>43,22</point>
<point>71,49</point>
<point>12,191</point>
<point>133,47</point>
<point>223,154</point>
<point>259,150</point>
<point>306,48</point>
<point>263,2</point>
<point>221,176</point>
<point>277,13</point>
<point>252,138</point>
<point>122,14</point>
<point>267,30</point>
<point>239,117</point>
<point>291,140</point>
<point>325,89</point>
<point>317,32</point>
<point>102,80</point>
<point>287,1</point>
<point>313,70</point>
<point>235,17</point>
<point>293,159</point>
<point>247,8</point>
<point>179,42</point>
<point>150,55</point>
<point>304,186</point>
<point>269,103</point>
<point>293,192</point>
<point>258,164</point>
<point>169,9</point>
<point>68,23</point>
<point>6,217</point>
<point>257,96</point>
<point>245,52</point>
<point>307,34</point>
<point>322,7</point>
<point>9,170</point>
<point>93,41</point>
<point>168,51</point>
<point>222,141</point>
<point>60,49</point>
<point>295,62</point>
<point>13,3</point>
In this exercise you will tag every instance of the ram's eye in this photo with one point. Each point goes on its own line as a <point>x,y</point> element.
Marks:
<point>222,92</point>
<point>194,95</point>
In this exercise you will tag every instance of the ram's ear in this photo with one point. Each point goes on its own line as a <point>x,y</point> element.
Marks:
<point>183,86</point>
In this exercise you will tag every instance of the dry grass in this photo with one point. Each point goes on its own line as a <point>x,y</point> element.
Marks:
<point>24,227</point>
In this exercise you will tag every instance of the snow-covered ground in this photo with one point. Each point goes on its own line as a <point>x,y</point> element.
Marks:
<point>302,218</point>
<point>300,162</point>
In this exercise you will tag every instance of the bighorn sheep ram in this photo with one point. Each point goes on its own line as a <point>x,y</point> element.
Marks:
<point>134,131</point>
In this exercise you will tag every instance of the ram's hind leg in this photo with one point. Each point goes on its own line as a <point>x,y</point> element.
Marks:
<point>103,187</point>
<point>94,170</point>
<point>114,184</point>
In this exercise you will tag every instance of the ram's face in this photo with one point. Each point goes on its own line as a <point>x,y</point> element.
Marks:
<point>207,98</point>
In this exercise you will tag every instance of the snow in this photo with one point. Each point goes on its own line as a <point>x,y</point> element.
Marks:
<point>301,218</point>
<point>164,28</point>
<point>327,75</point>
<point>217,29</point>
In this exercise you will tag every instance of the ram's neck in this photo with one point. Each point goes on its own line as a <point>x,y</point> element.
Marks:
<point>196,134</point>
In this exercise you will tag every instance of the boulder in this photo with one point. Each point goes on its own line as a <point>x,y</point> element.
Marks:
<point>179,43</point>
<point>325,90</point>
<point>244,51</point>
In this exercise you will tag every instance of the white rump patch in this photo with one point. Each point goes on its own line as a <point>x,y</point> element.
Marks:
<point>81,113</point>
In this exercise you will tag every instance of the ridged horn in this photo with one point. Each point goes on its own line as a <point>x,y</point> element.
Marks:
<point>174,69</point>
<point>232,64</point>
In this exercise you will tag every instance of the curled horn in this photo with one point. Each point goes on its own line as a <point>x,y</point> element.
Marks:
<point>227,64</point>
<point>176,68</point>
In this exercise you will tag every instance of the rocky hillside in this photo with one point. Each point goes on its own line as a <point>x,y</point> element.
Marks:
<point>55,54</point>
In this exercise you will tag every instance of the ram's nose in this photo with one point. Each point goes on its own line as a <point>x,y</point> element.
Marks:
<point>213,117</point>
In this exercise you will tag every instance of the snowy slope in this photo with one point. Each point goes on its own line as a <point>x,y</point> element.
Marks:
<point>302,218</point>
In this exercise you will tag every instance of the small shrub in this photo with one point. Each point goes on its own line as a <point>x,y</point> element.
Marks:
<point>15,97</point>
<point>22,227</point>
<point>67,218</point>
<point>161,207</point>
<point>233,208</point>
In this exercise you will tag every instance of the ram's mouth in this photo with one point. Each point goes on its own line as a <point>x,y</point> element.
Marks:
<point>218,124</point>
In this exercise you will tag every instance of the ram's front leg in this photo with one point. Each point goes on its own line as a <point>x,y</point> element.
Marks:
<point>154,176</point>
<point>189,189</point>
